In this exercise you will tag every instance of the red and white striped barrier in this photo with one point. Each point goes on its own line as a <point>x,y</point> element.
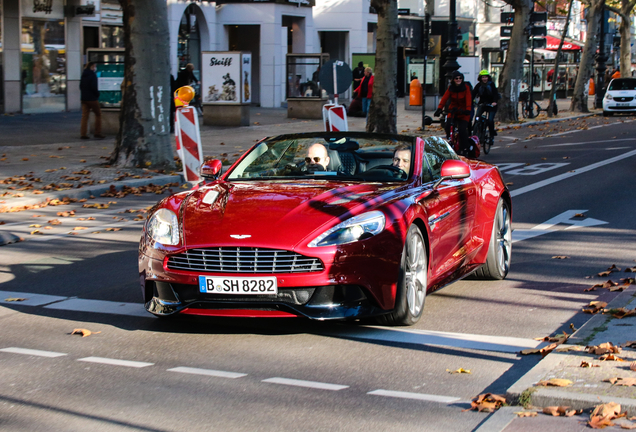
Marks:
<point>334,118</point>
<point>188,137</point>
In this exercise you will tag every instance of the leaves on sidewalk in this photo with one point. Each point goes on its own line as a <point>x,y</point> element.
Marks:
<point>560,411</point>
<point>487,402</point>
<point>585,364</point>
<point>459,371</point>
<point>554,382</point>
<point>603,414</point>
<point>603,348</point>
<point>594,307</point>
<point>610,357</point>
<point>625,382</point>
<point>526,413</point>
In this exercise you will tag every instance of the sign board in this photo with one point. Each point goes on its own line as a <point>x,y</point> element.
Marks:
<point>507,17</point>
<point>226,77</point>
<point>537,17</point>
<point>505,31</point>
<point>96,3</point>
<point>504,43</point>
<point>344,76</point>
<point>410,33</point>
<point>47,9</point>
<point>539,31</point>
<point>404,11</point>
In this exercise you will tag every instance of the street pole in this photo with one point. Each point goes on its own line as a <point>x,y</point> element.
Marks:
<point>451,50</point>
<point>427,23</point>
<point>531,80</point>
<point>601,58</point>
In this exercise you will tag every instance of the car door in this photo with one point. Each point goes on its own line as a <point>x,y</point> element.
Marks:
<point>450,210</point>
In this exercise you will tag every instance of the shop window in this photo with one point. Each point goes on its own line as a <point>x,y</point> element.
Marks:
<point>43,66</point>
<point>112,37</point>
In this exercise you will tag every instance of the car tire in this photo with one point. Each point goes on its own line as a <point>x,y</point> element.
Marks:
<point>412,282</point>
<point>497,262</point>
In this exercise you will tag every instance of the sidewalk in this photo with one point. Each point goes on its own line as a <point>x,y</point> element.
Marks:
<point>42,157</point>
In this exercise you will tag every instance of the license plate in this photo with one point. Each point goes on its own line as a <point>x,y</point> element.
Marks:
<point>622,104</point>
<point>238,285</point>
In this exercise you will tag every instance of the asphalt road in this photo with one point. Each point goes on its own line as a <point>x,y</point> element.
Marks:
<point>137,372</point>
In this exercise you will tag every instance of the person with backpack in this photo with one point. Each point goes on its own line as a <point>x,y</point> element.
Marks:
<point>485,92</point>
<point>458,101</point>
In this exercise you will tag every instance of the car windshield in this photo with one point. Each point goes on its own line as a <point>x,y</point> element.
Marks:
<point>623,84</point>
<point>347,157</point>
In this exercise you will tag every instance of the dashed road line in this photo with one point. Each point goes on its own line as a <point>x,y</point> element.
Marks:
<point>308,384</point>
<point>115,362</point>
<point>33,352</point>
<point>207,372</point>
<point>416,396</point>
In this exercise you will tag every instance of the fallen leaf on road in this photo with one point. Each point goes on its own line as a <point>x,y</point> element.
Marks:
<point>610,410</point>
<point>83,332</point>
<point>610,357</point>
<point>78,228</point>
<point>487,402</point>
<point>554,382</point>
<point>603,274</point>
<point>66,214</point>
<point>594,307</point>
<point>579,215</point>
<point>113,229</point>
<point>36,232</point>
<point>557,411</point>
<point>15,299</point>
<point>597,422</point>
<point>459,371</point>
<point>585,364</point>
<point>35,226</point>
<point>54,222</point>
<point>526,413</point>
<point>560,257</point>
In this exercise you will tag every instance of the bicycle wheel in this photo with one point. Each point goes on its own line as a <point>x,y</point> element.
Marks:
<point>533,109</point>
<point>487,141</point>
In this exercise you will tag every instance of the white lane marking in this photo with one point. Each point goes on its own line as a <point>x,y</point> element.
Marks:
<point>548,226</point>
<point>302,383</point>
<point>30,298</point>
<point>588,142</point>
<point>417,396</point>
<point>115,362</point>
<point>617,148</point>
<point>101,306</point>
<point>208,372</point>
<point>507,137</point>
<point>440,339</point>
<point>567,175</point>
<point>33,352</point>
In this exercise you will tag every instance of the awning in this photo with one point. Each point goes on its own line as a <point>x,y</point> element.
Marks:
<point>544,54</point>
<point>552,44</point>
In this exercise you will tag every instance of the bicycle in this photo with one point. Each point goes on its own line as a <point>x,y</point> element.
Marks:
<point>532,110</point>
<point>481,127</point>
<point>453,135</point>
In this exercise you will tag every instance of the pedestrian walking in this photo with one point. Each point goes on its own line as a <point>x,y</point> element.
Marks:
<point>365,90</point>
<point>89,95</point>
<point>358,74</point>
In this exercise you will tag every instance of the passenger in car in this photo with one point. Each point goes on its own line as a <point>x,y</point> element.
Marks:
<point>402,157</point>
<point>317,158</point>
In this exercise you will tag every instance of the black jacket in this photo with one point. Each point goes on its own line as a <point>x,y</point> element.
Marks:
<point>88,86</point>
<point>487,93</point>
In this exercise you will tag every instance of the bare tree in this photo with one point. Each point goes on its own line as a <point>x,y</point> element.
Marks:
<point>382,112</point>
<point>580,97</point>
<point>551,106</point>
<point>512,73</point>
<point>143,139</point>
<point>626,8</point>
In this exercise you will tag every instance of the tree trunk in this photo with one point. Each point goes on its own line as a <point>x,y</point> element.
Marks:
<point>580,96</point>
<point>626,38</point>
<point>552,99</point>
<point>512,73</point>
<point>144,138</point>
<point>382,117</point>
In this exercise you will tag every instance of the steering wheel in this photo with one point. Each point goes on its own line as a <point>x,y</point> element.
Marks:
<point>397,172</point>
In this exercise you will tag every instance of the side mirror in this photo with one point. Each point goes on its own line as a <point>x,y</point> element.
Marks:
<point>211,170</point>
<point>453,169</point>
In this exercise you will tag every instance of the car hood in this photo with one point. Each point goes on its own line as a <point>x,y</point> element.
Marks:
<point>280,214</point>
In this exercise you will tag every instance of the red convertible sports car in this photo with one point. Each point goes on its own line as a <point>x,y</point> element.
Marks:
<point>326,226</point>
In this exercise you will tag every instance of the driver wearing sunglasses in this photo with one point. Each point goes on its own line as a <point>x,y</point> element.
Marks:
<point>317,158</point>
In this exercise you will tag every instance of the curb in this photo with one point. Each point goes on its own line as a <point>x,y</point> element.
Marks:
<point>86,192</point>
<point>498,420</point>
<point>542,397</point>
<point>554,120</point>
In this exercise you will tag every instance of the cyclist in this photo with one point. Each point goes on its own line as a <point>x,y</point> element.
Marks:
<point>485,92</point>
<point>459,102</point>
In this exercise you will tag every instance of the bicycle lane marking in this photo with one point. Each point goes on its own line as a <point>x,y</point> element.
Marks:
<point>572,173</point>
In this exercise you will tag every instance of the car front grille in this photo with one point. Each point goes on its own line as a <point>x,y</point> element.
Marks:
<point>623,99</point>
<point>243,260</point>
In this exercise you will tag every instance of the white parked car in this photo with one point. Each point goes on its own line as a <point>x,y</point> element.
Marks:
<point>620,96</point>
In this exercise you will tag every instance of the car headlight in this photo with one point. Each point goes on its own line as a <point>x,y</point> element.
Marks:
<point>357,228</point>
<point>608,96</point>
<point>163,227</point>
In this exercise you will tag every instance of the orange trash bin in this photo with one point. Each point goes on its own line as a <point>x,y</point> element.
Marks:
<point>415,93</point>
